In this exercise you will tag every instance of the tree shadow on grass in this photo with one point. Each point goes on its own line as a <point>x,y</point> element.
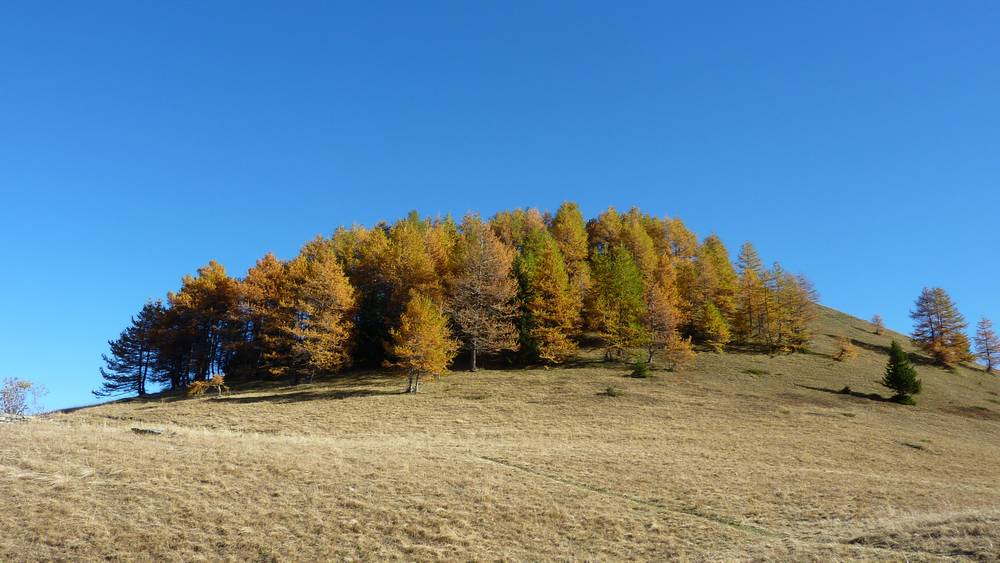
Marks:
<point>307,395</point>
<point>918,359</point>
<point>848,391</point>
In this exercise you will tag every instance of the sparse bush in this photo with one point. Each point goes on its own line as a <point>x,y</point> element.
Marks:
<point>19,396</point>
<point>218,382</point>
<point>197,388</point>
<point>614,392</point>
<point>641,370</point>
<point>846,349</point>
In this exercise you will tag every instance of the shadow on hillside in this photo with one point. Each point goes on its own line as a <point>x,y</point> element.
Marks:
<point>918,359</point>
<point>306,395</point>
<point>847,391</point>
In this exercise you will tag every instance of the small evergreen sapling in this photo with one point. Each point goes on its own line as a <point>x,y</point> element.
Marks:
<point>900,376</point>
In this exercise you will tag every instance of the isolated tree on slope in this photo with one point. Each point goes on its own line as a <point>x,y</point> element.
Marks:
<point>939,327</point>
<point>20,397</point>
<point>422,345</point>
<point>484,293</point>
<point>987,344</point>
<point>133,355</point>
<point>900,376</point>
<point>878,324</point>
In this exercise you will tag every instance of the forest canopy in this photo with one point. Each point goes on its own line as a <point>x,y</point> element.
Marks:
<point>523,287</point>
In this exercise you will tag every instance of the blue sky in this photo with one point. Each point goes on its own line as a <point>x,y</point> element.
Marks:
<point>857,142</point>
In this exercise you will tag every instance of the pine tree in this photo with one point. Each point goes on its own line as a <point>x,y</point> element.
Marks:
<point>987,344</point>
<point>939,327</point>
<point>877,324</point>
<point>619,302</point>
<point>324,303</point>
<point>713,327</point>
<point>133,355</point>
<point>484,293</point>
<point>900,376</point>
<point>422,345</point>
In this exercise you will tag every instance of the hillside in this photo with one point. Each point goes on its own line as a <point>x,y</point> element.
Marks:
<point>737,457</point>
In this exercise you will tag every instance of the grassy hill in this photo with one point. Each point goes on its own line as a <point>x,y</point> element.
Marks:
<point>738,457</point>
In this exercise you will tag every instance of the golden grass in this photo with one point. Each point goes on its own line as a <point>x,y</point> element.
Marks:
<point>713,463</point>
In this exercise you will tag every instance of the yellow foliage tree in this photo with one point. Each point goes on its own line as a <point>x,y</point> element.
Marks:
<point>550,312</point>
<point>422,344</point>
<point>324,301</point>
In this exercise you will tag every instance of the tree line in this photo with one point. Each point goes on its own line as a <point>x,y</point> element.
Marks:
<point>522,287</point>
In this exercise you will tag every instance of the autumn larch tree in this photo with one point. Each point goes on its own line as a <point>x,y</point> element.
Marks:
<point>748,322</point>
<point>987,344</point>
<point>939,327</point>
<point>877,324</point>
<point>713,326</point>
<point>484,292</point>
<point>206,308</point>
<point>324,303</point>
<point>716,277</point>
<point>422,345</point>
<point>900,376</point>
<point>789,309</point>
<point>268,303</point>
<point>570,232</point>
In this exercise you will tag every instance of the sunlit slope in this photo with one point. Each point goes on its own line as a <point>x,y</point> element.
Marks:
<point>738,457</point>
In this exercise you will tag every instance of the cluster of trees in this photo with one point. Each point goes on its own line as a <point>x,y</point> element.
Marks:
<point>939,330</point>
<point>524,286</point>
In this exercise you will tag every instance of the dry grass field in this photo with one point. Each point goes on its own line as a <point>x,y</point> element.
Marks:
<point>740,457</point>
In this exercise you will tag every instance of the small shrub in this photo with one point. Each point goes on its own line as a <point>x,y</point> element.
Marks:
<point>641,370</point>
<point>755,371</point>
<point>846,390</point>
<point>614,392</point>
<point>846,349</point>
<point>197,388</point>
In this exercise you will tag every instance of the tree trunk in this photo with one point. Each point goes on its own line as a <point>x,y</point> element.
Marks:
<point>473,358</point>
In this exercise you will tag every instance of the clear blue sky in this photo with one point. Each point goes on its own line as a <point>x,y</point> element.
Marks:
<point>858,142</point>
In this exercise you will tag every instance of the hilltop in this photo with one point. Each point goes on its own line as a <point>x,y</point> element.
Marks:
<point>738,456</point>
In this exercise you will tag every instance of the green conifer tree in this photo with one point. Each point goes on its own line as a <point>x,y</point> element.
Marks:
<point>900,376</point>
